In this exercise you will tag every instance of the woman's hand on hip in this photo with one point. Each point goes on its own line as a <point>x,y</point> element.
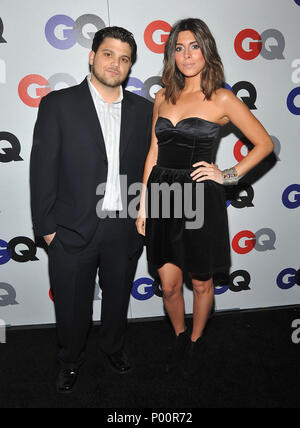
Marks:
<point>207,171</point>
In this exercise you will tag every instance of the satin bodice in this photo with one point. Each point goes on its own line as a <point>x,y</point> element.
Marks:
<point>191,140</point>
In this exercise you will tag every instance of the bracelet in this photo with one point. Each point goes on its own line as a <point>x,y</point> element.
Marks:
<point>230,177</point>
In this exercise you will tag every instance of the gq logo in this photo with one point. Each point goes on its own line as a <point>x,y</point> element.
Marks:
<point>156,36</point>
<point>291,101</point>
<point>240,150</point>
<point>2,40</point>
<point>8,295</point>
<point>34,87</point>
<point>250,90</point>
<point>249,44</point>
<point>293,108</point>
<point>11,251</point>
<point>244,196</point>
<point>62,32</point>
<point>288,278</point>
<point>11,153</point>
<point>245,241</point>
<point>291,196</point>
<point>238,281</point>
<point>146,288</point>
<point>147,89</point>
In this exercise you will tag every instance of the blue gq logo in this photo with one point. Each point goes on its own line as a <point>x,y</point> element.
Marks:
<point>143,289</point>
<point>10,250</point>
<point>145,89</point>
<point>71,32</point>
<point>291,101</point>
<point>294,201</point>
<point>5,252</point>
<point>288,278</point>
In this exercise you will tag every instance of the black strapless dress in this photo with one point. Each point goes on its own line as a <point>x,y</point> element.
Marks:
<point>204,250</point>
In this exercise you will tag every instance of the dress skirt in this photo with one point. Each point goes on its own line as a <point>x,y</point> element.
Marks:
<point>202,250</point>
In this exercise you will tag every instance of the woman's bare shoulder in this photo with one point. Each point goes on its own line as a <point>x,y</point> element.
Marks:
<point>160,95</point>
<point>223,95</point>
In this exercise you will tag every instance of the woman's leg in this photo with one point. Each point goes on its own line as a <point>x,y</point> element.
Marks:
<point>172,282</point>
<point>203,303</point>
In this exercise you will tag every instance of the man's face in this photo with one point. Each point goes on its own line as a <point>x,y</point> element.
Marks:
<point>112,62</point>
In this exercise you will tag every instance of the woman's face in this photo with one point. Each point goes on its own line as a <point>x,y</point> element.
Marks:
<point>188,55</point>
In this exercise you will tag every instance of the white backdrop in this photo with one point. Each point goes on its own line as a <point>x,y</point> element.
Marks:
<point>45,46</point>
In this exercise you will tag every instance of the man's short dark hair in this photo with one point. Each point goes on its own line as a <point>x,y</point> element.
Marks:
<point>116,33</point>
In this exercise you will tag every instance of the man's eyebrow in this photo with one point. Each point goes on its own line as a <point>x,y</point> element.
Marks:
<point>111,51</point>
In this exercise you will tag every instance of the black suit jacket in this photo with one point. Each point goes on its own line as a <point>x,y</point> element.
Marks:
<point>68,162</point>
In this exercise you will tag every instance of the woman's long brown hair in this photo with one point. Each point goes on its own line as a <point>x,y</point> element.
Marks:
<point>212,76</point>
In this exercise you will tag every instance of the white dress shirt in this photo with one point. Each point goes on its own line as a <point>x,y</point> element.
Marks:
<point>109,116</point>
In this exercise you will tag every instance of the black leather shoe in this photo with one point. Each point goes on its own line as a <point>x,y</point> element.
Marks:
<point>119,362</point>
<point>66,381</point>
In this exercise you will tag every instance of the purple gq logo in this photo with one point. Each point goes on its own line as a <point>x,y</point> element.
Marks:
<point>288,278</point>
<point>291,196</point>
<point>291,101</point>
<point>5,252</point>
<point>145,89</point>
<point>145,288</point>
<point>142,289</point>
<point>62,32</point>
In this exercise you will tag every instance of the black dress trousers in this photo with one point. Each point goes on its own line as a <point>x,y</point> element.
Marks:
<point>73,278</point>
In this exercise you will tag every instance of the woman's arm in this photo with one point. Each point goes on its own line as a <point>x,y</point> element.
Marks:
<point>239,114</point>
<point>151,160</point>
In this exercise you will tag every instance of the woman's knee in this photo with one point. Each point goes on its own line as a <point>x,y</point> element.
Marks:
<point>172,290</point>
<point>202,287</point>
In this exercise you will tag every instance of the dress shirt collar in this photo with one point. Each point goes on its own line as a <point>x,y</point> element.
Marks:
<point>99,96</point>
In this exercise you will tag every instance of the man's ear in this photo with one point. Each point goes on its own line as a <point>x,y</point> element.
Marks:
<point>91,57</point>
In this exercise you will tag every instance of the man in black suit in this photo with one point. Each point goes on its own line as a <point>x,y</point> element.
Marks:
<point>85,136</point>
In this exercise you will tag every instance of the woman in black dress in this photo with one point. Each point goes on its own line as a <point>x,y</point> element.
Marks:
<point>188,115</point>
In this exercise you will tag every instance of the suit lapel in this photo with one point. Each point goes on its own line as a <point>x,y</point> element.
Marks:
<point>127,123</point>
<point>91,117</point>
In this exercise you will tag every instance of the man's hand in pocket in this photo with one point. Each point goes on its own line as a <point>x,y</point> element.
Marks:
<point>49,238</point>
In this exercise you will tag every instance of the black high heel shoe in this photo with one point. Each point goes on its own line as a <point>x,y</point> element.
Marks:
<point>176,351</point>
